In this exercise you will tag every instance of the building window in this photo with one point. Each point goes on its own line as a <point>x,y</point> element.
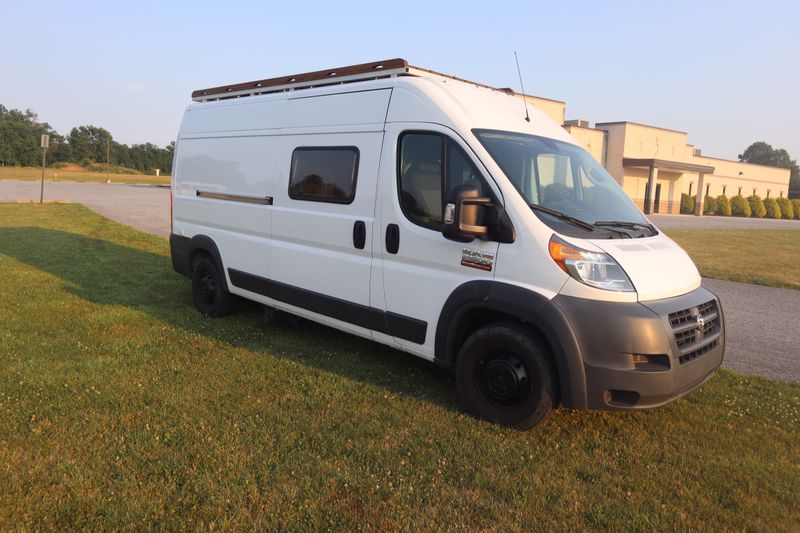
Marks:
<point>324,174</point>
<point>690,187</point>
<point>780,194</point>
<point>708,189</point>
<point>768,191</point>
<point>724,188</point>
<point>740,191</point>
<point>754,191</point>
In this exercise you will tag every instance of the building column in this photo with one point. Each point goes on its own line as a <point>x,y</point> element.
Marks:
<point>701,195</point>
<point>650,192</point>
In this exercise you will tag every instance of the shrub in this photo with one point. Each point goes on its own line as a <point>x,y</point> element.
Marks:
<point>740,207</point>
<point>787,209</point>
<point>687,204</point>
<point>723,205</point>
<point>757,209</point>
<point>796,205</point>
<point>772,207</point>
<point>709,205</point>
<point>85,162</point>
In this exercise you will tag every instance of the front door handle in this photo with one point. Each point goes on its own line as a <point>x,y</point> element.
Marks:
<point>359,234</point>
<point>392,238</point>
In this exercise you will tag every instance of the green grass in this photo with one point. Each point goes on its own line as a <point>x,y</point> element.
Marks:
<point>121,407</point>
<point>55,174</point>
<point>763,257</point>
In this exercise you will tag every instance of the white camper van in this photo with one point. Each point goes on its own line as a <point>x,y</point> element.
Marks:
<point>440,217</point>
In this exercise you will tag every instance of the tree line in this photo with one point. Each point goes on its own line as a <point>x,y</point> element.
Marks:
<point>20,133</point>
<point>762,153</point>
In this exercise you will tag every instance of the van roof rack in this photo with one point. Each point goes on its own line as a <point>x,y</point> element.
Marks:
<point>320,78</point>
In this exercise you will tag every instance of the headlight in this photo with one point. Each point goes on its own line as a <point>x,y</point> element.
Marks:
<point>596,269</point>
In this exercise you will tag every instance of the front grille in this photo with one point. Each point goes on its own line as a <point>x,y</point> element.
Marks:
<point>696,329</point>
<point>691,356</point>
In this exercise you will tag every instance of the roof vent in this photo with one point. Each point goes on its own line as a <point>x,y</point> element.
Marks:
<point>577,122</point>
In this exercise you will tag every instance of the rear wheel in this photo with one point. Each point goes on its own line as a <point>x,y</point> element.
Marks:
<point>504,376</point>
<point>208,290</point>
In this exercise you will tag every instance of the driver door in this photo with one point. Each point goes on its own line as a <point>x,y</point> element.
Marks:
<point>420,267</point>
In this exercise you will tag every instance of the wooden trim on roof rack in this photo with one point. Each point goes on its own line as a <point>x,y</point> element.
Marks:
<point>375,67</point>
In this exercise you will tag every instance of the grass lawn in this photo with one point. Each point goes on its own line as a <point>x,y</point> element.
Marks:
<point>124,408</point>
<point>763,257</point>
<point>51,174</point>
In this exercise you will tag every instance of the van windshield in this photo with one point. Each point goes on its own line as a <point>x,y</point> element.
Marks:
<point>557,178</point>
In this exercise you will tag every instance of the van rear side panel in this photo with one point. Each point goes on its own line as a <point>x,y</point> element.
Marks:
<point>237,166</point>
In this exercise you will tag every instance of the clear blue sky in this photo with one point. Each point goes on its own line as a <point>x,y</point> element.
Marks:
<point>728,73</point>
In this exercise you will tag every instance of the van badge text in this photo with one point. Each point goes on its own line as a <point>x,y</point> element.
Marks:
<point>477,259</point>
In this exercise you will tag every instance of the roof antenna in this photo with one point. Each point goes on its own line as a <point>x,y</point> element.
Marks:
<point>524,99</point>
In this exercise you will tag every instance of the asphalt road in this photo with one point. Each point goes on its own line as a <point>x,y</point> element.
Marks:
<point>144,207</point>
<point>763,323</point>
<point>712,222</point>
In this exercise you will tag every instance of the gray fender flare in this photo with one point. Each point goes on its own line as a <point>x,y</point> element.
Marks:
<point>527,306</point>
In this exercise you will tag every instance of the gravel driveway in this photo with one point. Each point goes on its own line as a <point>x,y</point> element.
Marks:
<point>763,323</point>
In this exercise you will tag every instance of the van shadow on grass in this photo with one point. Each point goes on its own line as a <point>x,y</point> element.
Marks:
<point>108,273</point>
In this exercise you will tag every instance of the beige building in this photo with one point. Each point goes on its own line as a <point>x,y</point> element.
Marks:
<point>655,165</point>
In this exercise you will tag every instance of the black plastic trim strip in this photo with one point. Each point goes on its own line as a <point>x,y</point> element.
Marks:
<point>260,200</point>
<point>400,326</point>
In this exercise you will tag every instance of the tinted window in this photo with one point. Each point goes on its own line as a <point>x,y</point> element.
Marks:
<point>560,176</point>
<point>324,174</point>
<point>421,178</point>
<point>422,171</point>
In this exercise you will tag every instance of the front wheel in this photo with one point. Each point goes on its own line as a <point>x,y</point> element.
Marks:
<point>208,291</point>
<point>504,376</point>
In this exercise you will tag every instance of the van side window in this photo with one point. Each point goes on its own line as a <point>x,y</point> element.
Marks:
<point>324,174</point>
<point>430,166</point>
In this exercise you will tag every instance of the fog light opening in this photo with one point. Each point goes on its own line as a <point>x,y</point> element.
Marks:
<point>651,362</point>
<point>621,398</point>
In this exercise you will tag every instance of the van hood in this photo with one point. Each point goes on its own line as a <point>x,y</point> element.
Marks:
<point>657,266</point>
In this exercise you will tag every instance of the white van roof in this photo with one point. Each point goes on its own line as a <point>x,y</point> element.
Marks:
<point>422,95</point>
<point>320,78</point>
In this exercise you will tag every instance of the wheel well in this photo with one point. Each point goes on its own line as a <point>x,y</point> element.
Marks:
<point>479,317</point>
<point>196,255</point>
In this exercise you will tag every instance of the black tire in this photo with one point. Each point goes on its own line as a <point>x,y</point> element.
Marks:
<point>208,291</point>
<point>504,376</point>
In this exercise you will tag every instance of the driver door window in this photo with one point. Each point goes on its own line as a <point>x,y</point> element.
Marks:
<point>431,165</point>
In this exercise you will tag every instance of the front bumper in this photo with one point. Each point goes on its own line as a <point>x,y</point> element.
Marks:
<point>640,355</point>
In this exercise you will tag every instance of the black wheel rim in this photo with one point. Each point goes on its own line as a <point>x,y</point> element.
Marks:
<point>504,380</point>
<point>208,287</point>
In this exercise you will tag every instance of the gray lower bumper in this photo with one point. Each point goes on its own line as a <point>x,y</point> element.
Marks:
<point>639,355</point>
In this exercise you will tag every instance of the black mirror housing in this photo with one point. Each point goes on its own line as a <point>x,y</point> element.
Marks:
<point>464,214</point>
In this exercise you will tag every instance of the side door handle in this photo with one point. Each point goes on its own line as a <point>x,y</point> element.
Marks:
<point>392,238</point>
<point>359,234</point>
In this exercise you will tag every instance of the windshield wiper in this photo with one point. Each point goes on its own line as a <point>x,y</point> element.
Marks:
<point>625,224</point>
<point>563,216</point>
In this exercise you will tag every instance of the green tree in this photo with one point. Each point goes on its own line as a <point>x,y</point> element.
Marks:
<point>687,203</point>
<point>20,132</point>
<point>723,206</point>
<point>787,209</point>
<point>89,142</point>
<point>740,207</point>
<point>772,207</point>
<point>757,208</point>
<point>762,153</point>
<point>796,205</point>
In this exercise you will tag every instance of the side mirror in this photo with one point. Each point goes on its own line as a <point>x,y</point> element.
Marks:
<point>464,214</point>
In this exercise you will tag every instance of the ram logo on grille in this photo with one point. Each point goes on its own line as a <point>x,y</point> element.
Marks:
<point>701,326</point>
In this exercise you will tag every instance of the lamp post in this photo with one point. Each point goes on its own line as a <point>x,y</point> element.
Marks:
<point>45,142</point>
